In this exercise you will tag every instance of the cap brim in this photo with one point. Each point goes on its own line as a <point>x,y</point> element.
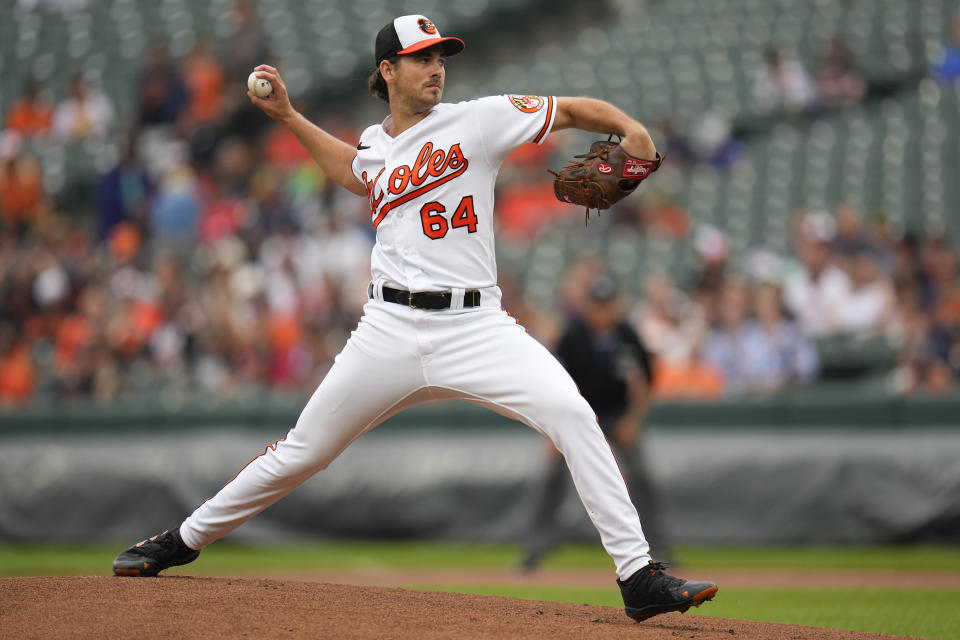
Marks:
<point>451,46</point>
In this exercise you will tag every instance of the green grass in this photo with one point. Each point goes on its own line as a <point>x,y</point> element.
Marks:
<point>858,558</point>
<point>930,613</point>
<point>19,560</point>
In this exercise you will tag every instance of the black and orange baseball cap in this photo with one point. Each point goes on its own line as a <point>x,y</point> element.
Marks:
<point>407,34</point>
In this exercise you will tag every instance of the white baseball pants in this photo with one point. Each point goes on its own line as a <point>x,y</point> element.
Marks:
<point>398,357</point>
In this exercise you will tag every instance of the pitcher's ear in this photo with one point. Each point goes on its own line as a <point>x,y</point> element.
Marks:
<point>387,69</point>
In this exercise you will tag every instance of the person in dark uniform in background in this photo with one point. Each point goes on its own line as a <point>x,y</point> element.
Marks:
<point>613,371</point>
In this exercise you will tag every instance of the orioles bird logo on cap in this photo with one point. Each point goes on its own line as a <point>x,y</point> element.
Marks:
<point>426,26</point>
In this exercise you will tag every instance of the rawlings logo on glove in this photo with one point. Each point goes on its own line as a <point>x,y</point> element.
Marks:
<point>606,175</point>
<point>633,168</point>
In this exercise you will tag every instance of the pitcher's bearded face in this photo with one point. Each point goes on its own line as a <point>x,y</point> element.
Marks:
<point>418,77</point>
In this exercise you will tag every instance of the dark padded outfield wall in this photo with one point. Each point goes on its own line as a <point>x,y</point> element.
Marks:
<point>719,485</point>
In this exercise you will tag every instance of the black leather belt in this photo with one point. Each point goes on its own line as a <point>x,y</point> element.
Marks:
<point>426,299</point>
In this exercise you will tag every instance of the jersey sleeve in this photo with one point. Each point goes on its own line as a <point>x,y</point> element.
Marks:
<point>508,121</point>
<point>366,140</point>
<point>355,167</point>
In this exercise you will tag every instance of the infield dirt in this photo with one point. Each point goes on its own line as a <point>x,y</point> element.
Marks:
<point>202,607</point>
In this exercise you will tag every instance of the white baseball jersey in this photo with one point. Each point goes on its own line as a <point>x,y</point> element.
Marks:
<point>431,189</point>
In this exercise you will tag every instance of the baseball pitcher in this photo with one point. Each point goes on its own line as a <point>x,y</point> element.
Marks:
<point>433,327</point>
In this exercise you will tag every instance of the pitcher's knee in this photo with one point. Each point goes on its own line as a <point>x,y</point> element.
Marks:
<point>580,410</point>
<point>571,414</point>
<point>322,449</point>
<point>295,457</point>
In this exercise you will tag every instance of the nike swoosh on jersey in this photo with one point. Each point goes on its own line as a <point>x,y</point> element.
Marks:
<point>361,146</point>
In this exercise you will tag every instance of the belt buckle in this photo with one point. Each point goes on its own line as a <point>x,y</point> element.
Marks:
<point>410,300</point>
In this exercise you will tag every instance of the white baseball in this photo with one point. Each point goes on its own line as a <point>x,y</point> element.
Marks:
<point>259,87</point>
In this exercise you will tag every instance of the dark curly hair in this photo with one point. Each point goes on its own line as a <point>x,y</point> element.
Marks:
<point>377,85</point>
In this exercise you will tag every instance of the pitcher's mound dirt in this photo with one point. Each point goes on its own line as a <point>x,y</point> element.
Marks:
<point>189,607</point>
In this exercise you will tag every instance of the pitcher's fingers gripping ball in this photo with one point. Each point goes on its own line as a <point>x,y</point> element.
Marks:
<point>259,87</point>
<point>269,92</point>
<point>606,175</point>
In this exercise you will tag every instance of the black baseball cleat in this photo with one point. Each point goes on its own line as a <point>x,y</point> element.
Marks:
<point>650,592</point>
<point>151,556</point>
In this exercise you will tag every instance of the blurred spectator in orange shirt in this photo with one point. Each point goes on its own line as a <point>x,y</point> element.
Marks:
<point>30,115</point>
<point>525,208</point>
<point>690,380</point>
<point>22,197</point>
<point>283,150</point>
<point>204,78</point>
<point>16,368</point>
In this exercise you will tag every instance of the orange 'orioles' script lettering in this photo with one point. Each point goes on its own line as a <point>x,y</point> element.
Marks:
<point>374,201</point>
<point>442,166</point>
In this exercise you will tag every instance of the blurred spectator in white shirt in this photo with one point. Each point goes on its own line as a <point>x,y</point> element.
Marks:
<point>85,112</point>
<point>815,293</point>
<point>870,306</point>
<point>782,84</point>
<point>668,321</point>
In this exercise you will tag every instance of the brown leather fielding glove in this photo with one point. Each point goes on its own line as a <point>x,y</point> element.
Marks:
<point>606,175</point>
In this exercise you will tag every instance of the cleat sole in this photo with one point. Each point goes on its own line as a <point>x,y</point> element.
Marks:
<point>139,570</point>
<point>704,596</point>
<point>698,599</point>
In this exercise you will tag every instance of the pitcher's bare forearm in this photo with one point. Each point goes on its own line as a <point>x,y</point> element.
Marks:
<point>334,156</point>
<point>590,114</point>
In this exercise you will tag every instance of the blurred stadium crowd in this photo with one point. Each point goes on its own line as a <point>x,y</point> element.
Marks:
<point>220,262</point>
